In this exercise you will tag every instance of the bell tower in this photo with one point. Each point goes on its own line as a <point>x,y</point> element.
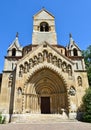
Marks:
<point>44,28</point>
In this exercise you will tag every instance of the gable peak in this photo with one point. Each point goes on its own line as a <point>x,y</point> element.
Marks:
<point>15,43</point>
<point>43,10</point>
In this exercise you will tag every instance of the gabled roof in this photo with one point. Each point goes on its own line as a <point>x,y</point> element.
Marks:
<point>43,9</point>
<point>73,42</point>
<point>15,44</point>
<point>45,43</point>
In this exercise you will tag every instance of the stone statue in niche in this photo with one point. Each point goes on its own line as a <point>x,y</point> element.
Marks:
<point>79,81</point>
<point>59,63</point>
<point>50,58</point>
<point>30,63</point>
<point>10,83</point>
<point>54,60</point>
<point>10,80</point>
<point>35,60</point>
<point>64,67</point>
<point>19,91</point>
<point>21,71</point>
<point>26,68</point>
<point>40,58</point>
<point>69,71</point>
<point>72,91</point>
<point>45,55</point>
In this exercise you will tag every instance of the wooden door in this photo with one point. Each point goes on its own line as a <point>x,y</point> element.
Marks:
<point>45,105</point>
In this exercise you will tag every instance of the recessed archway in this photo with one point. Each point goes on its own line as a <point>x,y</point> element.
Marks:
<point>46,84</point>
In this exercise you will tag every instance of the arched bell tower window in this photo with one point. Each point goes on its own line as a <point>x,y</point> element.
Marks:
<point>75,53</point>
<point>44,27</point>
<point>13,52</point>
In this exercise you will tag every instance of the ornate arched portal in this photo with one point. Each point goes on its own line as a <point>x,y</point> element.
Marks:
<point>45,92</point>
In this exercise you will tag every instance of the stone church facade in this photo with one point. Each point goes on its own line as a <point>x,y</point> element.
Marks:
<point>43,77</point>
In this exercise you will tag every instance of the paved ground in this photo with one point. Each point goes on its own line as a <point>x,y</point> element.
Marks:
<point>48,126</point>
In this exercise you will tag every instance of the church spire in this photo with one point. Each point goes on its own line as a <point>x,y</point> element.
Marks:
<point>70,35</point>
<point>17,34</point>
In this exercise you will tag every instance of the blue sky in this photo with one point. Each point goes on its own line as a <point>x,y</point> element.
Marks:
<point>71,16</point>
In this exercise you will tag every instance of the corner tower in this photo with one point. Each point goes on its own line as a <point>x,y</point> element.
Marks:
<point>44,28</point>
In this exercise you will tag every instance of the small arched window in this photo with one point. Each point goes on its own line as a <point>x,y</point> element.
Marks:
<point>44,27</point>
<point>75,53</point>
<point>13,52</point>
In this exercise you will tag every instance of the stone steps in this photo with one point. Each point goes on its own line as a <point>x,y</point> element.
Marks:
<point>39,118</point>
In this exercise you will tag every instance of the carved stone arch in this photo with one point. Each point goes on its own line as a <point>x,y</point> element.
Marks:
<point>45,84</point>
<point>49,66</point>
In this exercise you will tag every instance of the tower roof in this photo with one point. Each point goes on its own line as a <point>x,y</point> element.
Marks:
<point>15,44</point>
<point>43,10</point>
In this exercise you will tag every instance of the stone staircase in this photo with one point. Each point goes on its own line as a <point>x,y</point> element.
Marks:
<point>39,118</point>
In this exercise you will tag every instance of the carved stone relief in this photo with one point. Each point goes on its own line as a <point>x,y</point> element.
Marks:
<point>48,57</point>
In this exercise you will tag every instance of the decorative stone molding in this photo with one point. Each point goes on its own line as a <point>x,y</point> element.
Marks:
<point>45,57</point>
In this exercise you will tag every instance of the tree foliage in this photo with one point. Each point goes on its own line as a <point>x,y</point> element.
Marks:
<point>2,119</point>
<point>87,106</point>
<point>87,56</point>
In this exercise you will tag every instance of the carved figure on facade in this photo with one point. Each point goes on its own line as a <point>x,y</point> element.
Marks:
<point>54,60</point>
<point>72,91</point>
<point>79,79</point>
<point>26,67</point>
<point>69,68</point>
<point>45,55</point>
<point>30,63</point>
<point>59,63</point>
<point>21,71</point>
<point>64,67</point>
<point>40,58</point>
<point>10,80</point>
<point>50,58</point>
<point>35,60</point>
<point>19,91</point>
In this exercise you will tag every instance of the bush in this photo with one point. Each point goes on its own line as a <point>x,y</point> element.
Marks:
<point>2,119</point>
<point>87,106</point>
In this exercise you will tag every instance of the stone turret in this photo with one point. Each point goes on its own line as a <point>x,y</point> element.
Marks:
<point>44,28</point>
<point>15,49</point>
<point>14,52</point>
<point>73,49</point>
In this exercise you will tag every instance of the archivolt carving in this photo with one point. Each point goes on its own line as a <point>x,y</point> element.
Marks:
<point>51,85</point>
<point>46,66</point>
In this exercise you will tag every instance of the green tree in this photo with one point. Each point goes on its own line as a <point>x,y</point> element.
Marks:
<point>87,57</point>
<point>87,106</point>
